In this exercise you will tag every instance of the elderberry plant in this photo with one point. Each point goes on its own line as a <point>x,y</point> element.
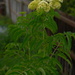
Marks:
<point>32,51</point>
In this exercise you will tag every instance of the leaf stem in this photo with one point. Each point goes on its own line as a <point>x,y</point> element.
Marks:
<point>43,38</point>
<point>55,50</point>
<point>29,50</point>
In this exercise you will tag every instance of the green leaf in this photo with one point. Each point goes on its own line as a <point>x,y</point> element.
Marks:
<point>56,62</point>
<point>42,71</point>
<point>64,57</point>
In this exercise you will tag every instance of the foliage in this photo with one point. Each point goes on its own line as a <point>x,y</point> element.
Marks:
<point>69,7</point>
<point>5,21</point>
<point>32,51</point>
<point>4,38</point>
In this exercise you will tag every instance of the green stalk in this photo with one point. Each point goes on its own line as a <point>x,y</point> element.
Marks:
<point>43,38</point>
<point>54,50</point>
<point>29,50</point>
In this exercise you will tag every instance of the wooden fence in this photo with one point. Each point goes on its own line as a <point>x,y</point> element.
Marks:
<point>14,7</point>
<point>2,7</point>
<point>65,23</point>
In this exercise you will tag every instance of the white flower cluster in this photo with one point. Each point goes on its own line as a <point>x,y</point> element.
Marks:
<point>45,5</point>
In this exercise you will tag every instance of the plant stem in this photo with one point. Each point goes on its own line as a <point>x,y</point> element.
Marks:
<point>55,50</point>
<point>29,49</point>
<point>43,38</point>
